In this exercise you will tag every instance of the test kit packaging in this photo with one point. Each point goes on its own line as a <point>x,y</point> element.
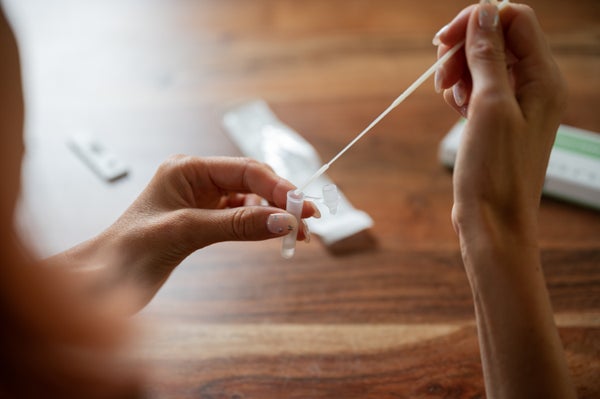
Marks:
<point>260,135</point>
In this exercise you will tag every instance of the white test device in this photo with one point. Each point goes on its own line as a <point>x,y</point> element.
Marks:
<point>97,156</point>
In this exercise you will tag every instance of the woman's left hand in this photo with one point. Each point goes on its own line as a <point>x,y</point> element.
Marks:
<point>189,204</point>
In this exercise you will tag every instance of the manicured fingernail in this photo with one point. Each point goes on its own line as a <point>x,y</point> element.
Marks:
<point>306,232</point>
<point>460,94</point>
<point>281,223</point>
<point>317,214</point>
<point>436,39</point>
<point>488,14</point>
<point>437,79</point>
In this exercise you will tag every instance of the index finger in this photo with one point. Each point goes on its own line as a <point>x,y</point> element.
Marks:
<point>456,30</point>
<point>247,175</point>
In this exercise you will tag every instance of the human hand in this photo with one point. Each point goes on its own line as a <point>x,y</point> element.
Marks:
<point>507,85</point>
<point>189,204</point>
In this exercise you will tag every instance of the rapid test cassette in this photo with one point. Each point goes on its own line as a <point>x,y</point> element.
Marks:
<point>97,156</point>
<point>573,172</point>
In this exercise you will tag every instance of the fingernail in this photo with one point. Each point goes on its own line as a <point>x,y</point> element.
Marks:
<point>317,214</point>
<point>280,223</point>
<point>306,232</point>
<point>437,79</point>
<point>459,93</point>
<point>436,39</point>
<point>488,14</point>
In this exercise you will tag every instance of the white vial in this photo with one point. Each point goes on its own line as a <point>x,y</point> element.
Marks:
<point>295,201</point>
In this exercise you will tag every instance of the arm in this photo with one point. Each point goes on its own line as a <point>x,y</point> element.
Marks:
<point>64,328</point>
<point>508,86</point>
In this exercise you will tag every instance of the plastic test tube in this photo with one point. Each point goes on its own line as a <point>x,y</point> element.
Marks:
<point>295,200</point>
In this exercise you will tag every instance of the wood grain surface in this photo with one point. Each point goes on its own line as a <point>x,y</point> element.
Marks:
<point>389,315</point>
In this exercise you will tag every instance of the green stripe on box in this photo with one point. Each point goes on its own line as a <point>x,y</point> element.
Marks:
<point>574,143</point>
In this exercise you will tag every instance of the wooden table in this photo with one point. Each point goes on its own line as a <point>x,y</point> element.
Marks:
<point>394,320</point>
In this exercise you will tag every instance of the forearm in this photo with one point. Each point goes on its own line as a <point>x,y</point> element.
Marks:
<point>521,351</point>
<point>103,269</point>
<point>85,261</point>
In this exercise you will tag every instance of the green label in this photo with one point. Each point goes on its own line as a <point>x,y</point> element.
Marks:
<point>575,143</point>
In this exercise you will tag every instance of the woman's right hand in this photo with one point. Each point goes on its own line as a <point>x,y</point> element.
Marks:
<point>508,86</point>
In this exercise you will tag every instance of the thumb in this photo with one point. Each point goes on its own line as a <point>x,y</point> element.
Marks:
<point>484,49</point>
<point>248,223</point>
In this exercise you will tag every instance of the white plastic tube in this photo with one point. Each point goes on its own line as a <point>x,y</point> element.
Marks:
<point>295,201</point>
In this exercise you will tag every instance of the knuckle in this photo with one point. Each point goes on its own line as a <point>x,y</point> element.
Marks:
<point>239,228</point>
<point>486,50</point>
<point>527,11</point>
<point>552,90</point>
<point>173,162</point>
<point>556,89</point>
<point>252,162</point>
<point>492,99</point>
<point>254,166</point>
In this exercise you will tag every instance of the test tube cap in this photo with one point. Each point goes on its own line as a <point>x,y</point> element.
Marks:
<point>331,197</point>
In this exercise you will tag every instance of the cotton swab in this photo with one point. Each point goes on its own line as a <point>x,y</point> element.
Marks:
<point>420,80</point>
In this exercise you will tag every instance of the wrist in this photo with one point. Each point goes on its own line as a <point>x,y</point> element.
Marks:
<point>478,221</point>
<point>517,335</point>
<point>490,238</point>
<point>101,271</point>
<point>89,262</point>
